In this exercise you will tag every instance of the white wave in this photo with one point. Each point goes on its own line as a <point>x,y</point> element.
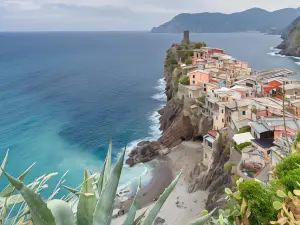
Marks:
<point>275,52</point>
<point>131,176</point>
<point>161,96</point>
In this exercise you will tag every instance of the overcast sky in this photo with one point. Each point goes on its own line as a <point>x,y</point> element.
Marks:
<point>114,14</point>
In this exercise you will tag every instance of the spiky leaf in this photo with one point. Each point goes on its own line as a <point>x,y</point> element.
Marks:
<point>203,219</point>
<point>72,190</point>
<point>107,169</point>
<point>87,202</point>
<point>134,206</point>
<point>10,188</point>
<point>39,211</point>
<point>105,204</point>
<point>159,203</point>
<point>4,163</point>
<point>139,219</point>
<point>100,182</point>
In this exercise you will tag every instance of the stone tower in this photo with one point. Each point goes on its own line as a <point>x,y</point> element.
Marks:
<point>186,37</point>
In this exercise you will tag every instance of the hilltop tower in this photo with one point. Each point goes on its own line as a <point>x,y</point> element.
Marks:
<point>186,37</point>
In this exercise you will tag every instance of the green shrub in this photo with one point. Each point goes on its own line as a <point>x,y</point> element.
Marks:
<point>199,45</point>
<point>287,164</point>
<point>260,202</point>
<point>290,180</point>
<point>241,146</point>
<point>244,130</point>
<point>188,62</point>
<point>185,80</point>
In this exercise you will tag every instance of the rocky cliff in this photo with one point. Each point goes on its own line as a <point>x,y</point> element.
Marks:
<point>176,121</point>
<point>291,44</point>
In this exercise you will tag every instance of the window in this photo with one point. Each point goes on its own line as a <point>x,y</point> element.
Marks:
<point>216,118</point>
<point>204,89</point>
<point>193,76</point>
<point>247,94</point>
<point>222,110</point>
<point>222,120</point>
<point>193,82</point>
<point>244,113</point>
<point>204,85</point>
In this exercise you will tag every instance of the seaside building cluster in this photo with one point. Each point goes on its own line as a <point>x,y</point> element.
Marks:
<point>259,109</point>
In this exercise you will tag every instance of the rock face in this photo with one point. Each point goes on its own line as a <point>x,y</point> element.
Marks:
<point>144,152</point>
<point>291,44</point>
<point>215,179</point>
<point>180,130</point>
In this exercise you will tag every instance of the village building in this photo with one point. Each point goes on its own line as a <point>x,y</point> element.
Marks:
<point>209,144</point>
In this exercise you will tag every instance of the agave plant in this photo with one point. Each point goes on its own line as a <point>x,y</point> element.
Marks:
<point>95,200</point>
<point>10,202</point>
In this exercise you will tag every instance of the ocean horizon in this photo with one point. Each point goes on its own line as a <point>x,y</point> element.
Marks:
<point>64,95</point>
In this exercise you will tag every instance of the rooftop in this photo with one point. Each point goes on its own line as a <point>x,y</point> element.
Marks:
<point>242,138</point>
<point>265,143</point>
<point>291,86</point>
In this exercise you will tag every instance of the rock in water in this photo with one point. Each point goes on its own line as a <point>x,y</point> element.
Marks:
<point>144,152</point>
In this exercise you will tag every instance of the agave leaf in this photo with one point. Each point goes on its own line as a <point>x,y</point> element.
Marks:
<point>62,212</point>
<point>134,206</point>
<point>87,203</point>
<point>4,163</point>
<point>107,169</point>
<point>72,190</point>
<point>101,179</point>
<point>3,212</point>
<point>10,188</point>
<point>159,203</point>
<point>203,220</point>
<point>105,204</point>
<point>39,211</point>
<point>138,220</point>
<point>11,200</point>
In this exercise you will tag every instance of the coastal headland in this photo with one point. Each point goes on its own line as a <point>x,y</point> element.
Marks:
<point>222,122</point>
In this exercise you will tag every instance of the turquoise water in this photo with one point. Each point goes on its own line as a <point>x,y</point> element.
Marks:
<point>63,96</point>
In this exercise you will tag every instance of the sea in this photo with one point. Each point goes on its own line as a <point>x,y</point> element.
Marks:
<point>65,95</point>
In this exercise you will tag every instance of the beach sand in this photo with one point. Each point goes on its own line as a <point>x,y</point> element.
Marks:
<point>181,207</point>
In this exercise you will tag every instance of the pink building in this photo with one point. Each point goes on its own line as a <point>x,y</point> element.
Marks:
<point>199,77</point>
<point>205,53</point>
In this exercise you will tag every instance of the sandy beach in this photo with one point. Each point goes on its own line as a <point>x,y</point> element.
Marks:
<point>181,207</point>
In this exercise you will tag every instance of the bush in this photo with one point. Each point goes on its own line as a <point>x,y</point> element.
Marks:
<point>171,61</point>
<point>241,146</point>
<point>185,80</point>
<point>260,202</point>
<point>286,165</point>
<point>188,62</point>
<point>199,45</point>
<point>289,181</point>
<point>244,130</point>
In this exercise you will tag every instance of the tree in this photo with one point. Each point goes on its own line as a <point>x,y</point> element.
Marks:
<point>290,180</point>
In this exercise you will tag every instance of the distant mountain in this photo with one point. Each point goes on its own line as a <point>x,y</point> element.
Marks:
<point>254,19</point>
<point>291,39</point>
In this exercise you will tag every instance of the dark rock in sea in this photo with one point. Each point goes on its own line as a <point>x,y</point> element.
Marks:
<point>144,152</point>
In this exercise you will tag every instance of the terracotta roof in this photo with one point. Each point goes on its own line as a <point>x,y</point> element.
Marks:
<point>212,133</point>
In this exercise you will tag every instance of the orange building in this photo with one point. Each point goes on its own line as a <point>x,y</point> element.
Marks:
<point>198,77</point>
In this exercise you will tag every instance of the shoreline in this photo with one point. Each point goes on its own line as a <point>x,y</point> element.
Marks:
<point>181,206</point>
